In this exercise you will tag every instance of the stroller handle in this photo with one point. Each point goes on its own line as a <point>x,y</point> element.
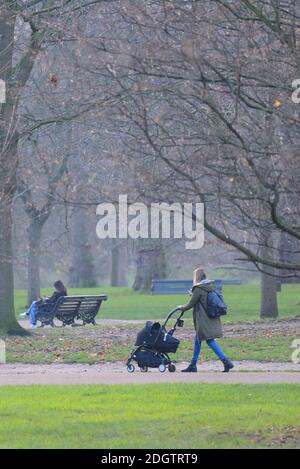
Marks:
<point>172,313</point>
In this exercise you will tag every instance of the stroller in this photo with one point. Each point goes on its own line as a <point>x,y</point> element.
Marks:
<point>153,344</point>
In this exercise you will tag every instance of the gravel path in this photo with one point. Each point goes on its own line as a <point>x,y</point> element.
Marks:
<point>104,322</point>
<point>116,373</point>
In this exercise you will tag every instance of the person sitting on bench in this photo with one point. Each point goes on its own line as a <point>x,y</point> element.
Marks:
<point>60,290</point>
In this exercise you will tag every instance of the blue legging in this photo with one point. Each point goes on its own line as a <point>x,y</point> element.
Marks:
<point>212,344</point>
<point>32,313</point>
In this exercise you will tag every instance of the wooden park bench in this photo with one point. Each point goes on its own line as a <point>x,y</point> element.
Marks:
<point>167,287</point>
<point>69,308</point>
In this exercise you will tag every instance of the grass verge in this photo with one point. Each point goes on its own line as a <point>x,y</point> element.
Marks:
<point>150,416</point>
<point>99,344</point>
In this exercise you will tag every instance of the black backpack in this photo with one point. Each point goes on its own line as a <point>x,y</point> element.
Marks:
<point>216,305</point>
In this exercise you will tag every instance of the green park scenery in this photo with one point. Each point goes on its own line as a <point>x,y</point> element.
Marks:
<point>174,415</point>
<point>141,140</point>
<point>82,345</point>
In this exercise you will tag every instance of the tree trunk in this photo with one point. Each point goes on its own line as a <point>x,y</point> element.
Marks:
<point>118,277</point>
<point>82,273</point>
<point>289,253</point>
<point>33,279</point>
<point>8,164</point>
<point>151,263</point>
<point>269,304</point>
<point>8,322</point>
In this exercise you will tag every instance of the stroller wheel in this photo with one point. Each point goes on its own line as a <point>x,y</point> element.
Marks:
<point>162,368</point>
<point>144,369</point>
<point>172,368</point>
<point>130,368</point>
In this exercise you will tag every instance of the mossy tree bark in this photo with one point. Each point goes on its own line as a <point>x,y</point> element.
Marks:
<point>8,158</point>
<point>15,77</point>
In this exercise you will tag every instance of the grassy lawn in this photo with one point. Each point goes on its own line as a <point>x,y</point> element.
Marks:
<point>150,416</point>
<point>276,349</point>
<point>123,303</point>
<point>109,343</point>
<point>100,344</point>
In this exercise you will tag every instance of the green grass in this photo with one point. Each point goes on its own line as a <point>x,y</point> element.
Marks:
<point>102,344</point>
<point>273,349</point>
<point>72,345</point>
<point>150,416</point>
<point>123,303</point>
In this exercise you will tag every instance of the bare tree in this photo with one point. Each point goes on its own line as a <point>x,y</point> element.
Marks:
<point>199,104</point>
<point>15,77</point>
<point>46,22</point>
<point>38,183</point>
<point>209,104</point>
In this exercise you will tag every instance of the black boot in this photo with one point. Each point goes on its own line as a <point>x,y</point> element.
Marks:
<point>228,365</point>
<point>192,368</point>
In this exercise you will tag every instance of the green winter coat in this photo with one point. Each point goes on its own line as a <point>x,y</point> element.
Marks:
<point>206,327</point>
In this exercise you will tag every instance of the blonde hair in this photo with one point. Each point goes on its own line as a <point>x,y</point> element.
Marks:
<point>198,275</point>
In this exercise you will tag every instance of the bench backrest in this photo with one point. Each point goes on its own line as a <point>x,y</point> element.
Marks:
<point>164,287</point>
<point>78,304</point>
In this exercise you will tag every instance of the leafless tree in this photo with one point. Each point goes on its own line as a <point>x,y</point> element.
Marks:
<point>27,27</point>
<point>209,108</point>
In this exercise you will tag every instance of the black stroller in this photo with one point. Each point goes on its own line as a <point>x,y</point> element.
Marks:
<point>153,344</point>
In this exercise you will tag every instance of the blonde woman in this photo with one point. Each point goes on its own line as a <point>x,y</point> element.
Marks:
<point>206,328</point>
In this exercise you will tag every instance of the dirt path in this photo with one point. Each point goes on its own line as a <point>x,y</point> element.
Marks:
<point>105,322</point>
<point>115,373</point>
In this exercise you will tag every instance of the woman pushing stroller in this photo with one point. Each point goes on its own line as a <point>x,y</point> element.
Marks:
<point>207,328</point>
